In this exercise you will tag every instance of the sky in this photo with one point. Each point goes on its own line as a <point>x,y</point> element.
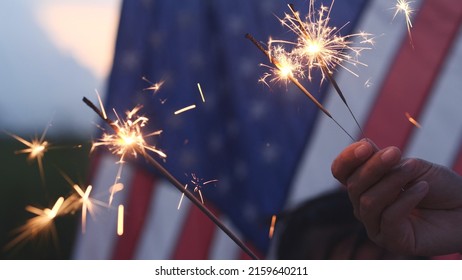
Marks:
<point>53,53</point>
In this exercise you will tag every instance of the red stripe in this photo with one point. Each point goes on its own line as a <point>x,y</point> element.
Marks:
<point>196,236</point>
<point>414,72</point>
<point>457,165</point>
<point>138,204</point>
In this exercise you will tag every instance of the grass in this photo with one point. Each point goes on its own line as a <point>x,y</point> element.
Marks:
<point>21,185</point>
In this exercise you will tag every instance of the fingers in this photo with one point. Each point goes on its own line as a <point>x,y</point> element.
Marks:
<point>351,158</point>
<point>374,201</point>
<point>371,172</point>
<point>395,229</point>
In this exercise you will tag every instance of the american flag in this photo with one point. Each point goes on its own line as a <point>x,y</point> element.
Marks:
<point>269,148</point>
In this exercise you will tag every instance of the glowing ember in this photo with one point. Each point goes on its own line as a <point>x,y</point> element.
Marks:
<point>412,120</point>
<point>120,220</point>
<point>187,108</point>
<point>273,223</point>
<point>200,91</point>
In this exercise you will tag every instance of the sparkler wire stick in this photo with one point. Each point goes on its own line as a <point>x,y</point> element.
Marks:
<point>180,187</point>
<point>295,81</point>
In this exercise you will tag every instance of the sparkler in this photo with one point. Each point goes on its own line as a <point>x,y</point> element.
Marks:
<point>36,149</point>
<point>127,139</point>
<point>404,7</point>
<point>41,223</point>
<point>318,46</point>
<point>142,149</point>
<point>283,68</point>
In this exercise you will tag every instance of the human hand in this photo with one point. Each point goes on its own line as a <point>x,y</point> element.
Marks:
<point>409,206</point>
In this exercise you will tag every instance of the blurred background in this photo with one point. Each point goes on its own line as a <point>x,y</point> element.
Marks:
<point>52,54</point>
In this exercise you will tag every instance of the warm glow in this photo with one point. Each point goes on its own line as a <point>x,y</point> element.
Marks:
<point>313,48</point>
<point>86,30</point>
<point>41,223</point>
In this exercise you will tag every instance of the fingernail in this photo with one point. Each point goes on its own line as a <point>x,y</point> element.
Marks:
<point>419,187</point>
<point>362,151</point>
<point>390,155</point>
<point>408,166</point>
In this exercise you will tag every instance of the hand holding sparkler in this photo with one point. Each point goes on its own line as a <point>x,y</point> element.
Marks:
<point>409,206</point>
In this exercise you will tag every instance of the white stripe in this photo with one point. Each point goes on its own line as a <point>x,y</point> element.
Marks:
<point>100,236</point>
<point>223,247</point>
<point>313,176</point>
<point>439,139</point>
<point>163,223</point>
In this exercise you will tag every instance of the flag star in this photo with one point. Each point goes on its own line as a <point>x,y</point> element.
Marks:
<point>130,60</point>
<point>215,143</point>
<point>240,170</point>
<point>185,20</point>
<point>268,6</point>
<point>270,152</point>
<point>188,158</point>
<point>196,60</point>
<point>247,67</point>
<point>258,110</point>
<point>147,3</point>
<point>232,128</point>
<point>235,24</point>
<point>249,211</point>
<point>157,39</point>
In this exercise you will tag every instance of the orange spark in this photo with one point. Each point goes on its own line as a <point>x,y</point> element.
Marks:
<point>271,229</point>
<point>412,120</point>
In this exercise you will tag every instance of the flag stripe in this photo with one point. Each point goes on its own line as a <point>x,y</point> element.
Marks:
<point>414,72</point>
<point>457,166</point>
<point>438,140</point>
<point>196,236</point>
<point>163,223</point>
<point>141,188</point>
<point>223,247</point>
<point>100,235</point>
